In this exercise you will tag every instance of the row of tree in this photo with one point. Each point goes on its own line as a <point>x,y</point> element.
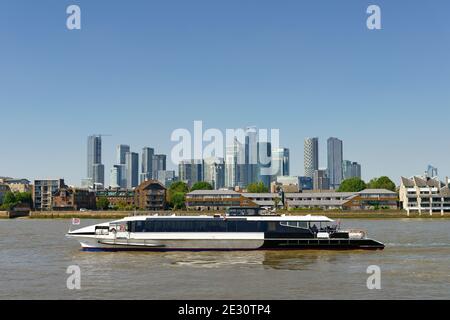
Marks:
<point>13,199</point>
<point>356,184</point>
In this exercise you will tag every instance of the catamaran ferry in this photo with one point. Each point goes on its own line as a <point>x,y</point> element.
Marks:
<point>239,229</point>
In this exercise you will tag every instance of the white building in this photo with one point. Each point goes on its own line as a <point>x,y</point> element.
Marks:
<point>424,195</point>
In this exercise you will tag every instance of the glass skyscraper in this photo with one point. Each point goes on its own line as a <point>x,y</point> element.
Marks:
<point>280,162</point>
<point>132,169</point>
<point>158,163</point>
<point>335,158</point>
<point>233,159</point>
<point>214,172</point>
<point>190,171</point>
<point>351,169</point>
<point>147,164</point>
<point>249,170</point>
<point>95,168</point>
<point>121,150</point>
<point>265,163</point>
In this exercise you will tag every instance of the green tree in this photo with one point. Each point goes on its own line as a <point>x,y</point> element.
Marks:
<point>352,185</point>
<point>102,203</point>
<point>175,188</point>
<point>24,198</point>
<point>201,185</point>
<point>9,198</point>
<point>178,200</point>
<point>257,187</point>
<point>9,201</point>
<point>178,186</point>
<point>381,183</point>
<point>12,199</point>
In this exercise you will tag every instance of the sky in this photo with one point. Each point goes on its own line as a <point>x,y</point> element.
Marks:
<point>140,69</point>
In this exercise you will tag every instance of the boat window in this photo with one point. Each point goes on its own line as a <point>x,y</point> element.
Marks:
<point>295,224</point>
<point>207,225</point>
<point>137,226</point>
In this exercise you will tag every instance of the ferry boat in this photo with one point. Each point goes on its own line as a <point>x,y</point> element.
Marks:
<point>239,229</point>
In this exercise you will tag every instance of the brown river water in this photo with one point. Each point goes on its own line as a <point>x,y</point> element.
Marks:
<point>34,257</point>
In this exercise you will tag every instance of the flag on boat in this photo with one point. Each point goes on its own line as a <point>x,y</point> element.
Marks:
<point>76,221</point>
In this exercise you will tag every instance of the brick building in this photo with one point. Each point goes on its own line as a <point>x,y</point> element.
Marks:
<point>150,195</point>
<point>67,198</point>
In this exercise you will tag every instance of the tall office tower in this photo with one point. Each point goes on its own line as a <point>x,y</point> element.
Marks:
<point>351,169</point>
<point>280,162</point>
<point>233,158</point>
<point>311,156</point>
<point>166,177</point>
<point>95,169</point>
<point>99,175</point>
<point>190,171</point>
<point>321,180</point>
<point>265,163</point>
<point>335,158</point>
<point>132,169</point>
<point>121,150</point>
<point>147,164</point>
<point>250,168</point>
<point>158,163</point>
<point>214,172</point>
<point>115,178</point>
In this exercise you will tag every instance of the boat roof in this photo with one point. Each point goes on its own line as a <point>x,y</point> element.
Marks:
<point>249,218</point>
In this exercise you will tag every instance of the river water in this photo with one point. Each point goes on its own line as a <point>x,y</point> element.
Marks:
<point>34,257</point>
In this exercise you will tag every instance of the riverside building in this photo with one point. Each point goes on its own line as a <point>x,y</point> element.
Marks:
<point>363,200</point>
<point>424,195</point>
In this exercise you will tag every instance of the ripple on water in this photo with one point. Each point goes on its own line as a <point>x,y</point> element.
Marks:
<point>415,263</point>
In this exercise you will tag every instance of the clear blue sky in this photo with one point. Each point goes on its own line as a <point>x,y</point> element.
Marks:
<point>140,69</point>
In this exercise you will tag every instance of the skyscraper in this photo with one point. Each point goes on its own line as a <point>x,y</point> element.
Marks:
<point>95,169</point>
<point>311,156</point>
<point>351,169</point>
<point>265,163</point>
<point>335,158</point>
<point>214,172</point>
<point>115,178</point>
<point>233,158</point>
<point>249,170</point>
<point>280,162</point>
<point>132,169</point>
<point>321,181</point>
<point>166,177</point>
<point>158,163</point>
<point>121,150</point>
<point>147,164</point>
<point>190,171</point>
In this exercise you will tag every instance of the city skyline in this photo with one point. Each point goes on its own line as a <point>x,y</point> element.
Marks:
<point>276,66</point>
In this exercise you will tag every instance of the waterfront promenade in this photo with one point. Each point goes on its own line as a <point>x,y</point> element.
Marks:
<point>110,214</point>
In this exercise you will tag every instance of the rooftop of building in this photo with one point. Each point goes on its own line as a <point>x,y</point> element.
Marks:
<point>421,182</point>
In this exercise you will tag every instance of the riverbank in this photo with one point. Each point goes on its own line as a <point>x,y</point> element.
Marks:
<point>369,214</point>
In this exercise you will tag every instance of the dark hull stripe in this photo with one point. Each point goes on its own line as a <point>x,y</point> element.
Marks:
<point>366,244</point>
